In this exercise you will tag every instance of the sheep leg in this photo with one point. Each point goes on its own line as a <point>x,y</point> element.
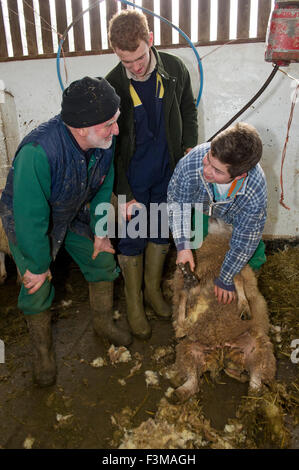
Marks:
<point>261,363</point>
<point>258,358</point>
<point>187,390</point>
<point>181,315</point>
<point>243,305</point>
<point>182,308</point>
<point>234,363</point>
<point>3,273</point>
<point>190,359</point>
<point>190,278</point>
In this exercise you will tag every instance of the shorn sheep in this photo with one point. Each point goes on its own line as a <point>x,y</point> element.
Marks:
<point>213,336</point>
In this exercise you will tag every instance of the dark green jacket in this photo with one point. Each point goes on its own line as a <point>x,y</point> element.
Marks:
<point>180,115</point>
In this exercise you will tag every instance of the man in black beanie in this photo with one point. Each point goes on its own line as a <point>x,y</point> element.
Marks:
<point>61,172</point>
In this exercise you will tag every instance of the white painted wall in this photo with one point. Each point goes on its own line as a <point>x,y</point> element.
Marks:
<point>9,134</point>
<point>232,75</point>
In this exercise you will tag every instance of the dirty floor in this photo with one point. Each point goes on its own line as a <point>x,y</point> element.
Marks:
<point>78,412</point>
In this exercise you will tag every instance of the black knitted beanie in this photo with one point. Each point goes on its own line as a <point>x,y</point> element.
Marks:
<point>88,102</point>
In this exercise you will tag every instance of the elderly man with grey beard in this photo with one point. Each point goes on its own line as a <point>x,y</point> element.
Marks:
<point>61,171</point>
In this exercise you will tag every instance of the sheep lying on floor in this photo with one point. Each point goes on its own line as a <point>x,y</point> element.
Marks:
<point>213,336</point>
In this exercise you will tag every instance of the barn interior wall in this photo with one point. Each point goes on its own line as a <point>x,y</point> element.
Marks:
<point>232,75</point>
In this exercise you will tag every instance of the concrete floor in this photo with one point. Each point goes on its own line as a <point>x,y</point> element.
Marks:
<point>85,396</point>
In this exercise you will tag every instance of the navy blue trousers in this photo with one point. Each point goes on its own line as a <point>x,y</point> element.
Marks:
<point>153,231</point>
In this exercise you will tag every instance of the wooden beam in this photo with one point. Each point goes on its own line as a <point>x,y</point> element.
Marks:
<point>166,30</point>
<point>264,10</point>
<point>149,4</point>
<point>15,30</point>
<point>44,11</point>
<point>30,27</point>
<point>3,46</point>
<point>243,19</point>
<point>95,29</point>
<point>78,28</point>
<point>223,20</point>
<point>185,19</point>
<point>111,9</point>
<point>109,51</point>
<point>204,15</point>
<point>61,19</point>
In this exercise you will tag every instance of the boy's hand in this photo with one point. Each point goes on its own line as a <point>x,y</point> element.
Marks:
<point>185,256</point>
<point>224,296</point>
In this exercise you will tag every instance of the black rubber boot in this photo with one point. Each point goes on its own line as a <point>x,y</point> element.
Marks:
<point>101,302</point>
<point>132,270</point>
<point>155,255</point>
<point>44,364</point>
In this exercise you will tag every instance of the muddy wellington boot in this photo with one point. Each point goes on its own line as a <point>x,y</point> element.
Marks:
<point>44,365</point>
<point>132,270</point>
<point>155,255</point>
<point>101,303</point>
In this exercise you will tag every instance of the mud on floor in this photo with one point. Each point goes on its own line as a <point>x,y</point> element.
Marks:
<point>100,404</point>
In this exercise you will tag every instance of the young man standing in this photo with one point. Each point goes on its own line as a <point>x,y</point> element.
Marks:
<point>226,178</point>
<point>158,125</point>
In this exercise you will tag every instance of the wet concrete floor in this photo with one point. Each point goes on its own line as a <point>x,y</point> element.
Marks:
<point>78,411</point>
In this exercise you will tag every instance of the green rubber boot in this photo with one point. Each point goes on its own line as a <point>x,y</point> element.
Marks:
<point>44,364</point>
<point>101,303</point>
<point>132,270</point>
<point>155,255</point>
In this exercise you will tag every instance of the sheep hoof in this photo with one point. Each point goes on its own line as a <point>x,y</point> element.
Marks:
<point>255,384</point>
<point>176,381</point>
<point>181,395</point>
<point>236,374</point>
<point>255,392</point>
<point>190,278</point>
<point>176,398</point>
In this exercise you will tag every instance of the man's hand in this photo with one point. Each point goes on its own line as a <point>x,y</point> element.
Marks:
<point>188,150</point>
<point>185,256</point>
<point>101,244</point>
<point>33,282</point>
<point>224,296</point>
<point>126,209</point>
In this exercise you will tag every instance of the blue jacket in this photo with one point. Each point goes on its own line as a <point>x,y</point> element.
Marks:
<point>246,212</point>
<point>72,188</point>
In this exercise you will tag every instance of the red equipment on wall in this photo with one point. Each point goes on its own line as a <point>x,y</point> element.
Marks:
<point>283,33</point>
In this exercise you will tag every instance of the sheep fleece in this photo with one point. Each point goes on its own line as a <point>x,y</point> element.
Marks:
<point>214,337</point>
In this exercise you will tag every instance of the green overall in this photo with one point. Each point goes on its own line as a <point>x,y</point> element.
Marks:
<point>31,169</point>
<point>257,259</point>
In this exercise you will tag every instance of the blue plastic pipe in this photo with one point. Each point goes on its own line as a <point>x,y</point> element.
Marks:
<point>150,13</point>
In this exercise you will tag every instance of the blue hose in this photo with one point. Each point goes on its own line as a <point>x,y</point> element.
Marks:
<point>150,13</point>
<point>58,64</point>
